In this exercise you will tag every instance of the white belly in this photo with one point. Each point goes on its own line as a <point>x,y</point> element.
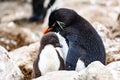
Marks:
<point>80,65</point>
<point>49,60</point>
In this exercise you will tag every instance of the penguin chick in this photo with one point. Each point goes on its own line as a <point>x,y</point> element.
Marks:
<point>50,57</point>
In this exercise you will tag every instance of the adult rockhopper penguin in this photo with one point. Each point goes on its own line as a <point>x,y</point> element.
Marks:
<point>85,44</point>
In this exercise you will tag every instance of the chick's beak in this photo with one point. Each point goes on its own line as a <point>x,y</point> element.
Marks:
<point>47,30</point>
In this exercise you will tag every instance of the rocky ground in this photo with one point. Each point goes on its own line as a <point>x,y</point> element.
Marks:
<point>21,38</point>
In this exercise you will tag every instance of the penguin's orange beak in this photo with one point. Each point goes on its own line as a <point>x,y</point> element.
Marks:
<point>47,30</point>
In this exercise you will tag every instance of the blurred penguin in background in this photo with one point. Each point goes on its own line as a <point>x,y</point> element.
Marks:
<point>39,9</point>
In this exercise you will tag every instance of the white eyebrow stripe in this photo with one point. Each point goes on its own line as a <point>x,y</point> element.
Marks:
<point>54,24</point>
<point>59,23</point>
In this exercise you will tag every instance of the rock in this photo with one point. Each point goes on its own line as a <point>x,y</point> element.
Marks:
<point>15,37</point>
<point>59,75</point>
<point>113,52</point>
<point>114,65</point>
<point>24,58</point>
<point>97,71</point>
<point>8,69</point>
<point>16,16</point>
<point>101,29</point>
<point>105,2</point>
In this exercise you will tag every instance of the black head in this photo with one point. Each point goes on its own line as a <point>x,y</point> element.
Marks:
<point>50,38</point>
<point>62,18</point>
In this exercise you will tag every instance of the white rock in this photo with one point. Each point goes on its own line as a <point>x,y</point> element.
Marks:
<point>115,69</point>
<point>114,65</point>
<point>97,71</point>
<point>8,69</point>
<point>59,75</point>
<point>25,54</point>
<point>24,58</point>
